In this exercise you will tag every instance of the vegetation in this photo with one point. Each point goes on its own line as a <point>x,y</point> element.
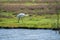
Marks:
<point>35,21</point>
<point>44,13</point>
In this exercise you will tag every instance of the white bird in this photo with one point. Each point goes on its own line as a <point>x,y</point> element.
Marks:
<point>21,15</point>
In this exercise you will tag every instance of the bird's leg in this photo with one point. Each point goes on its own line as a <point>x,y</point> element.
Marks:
<point>22,19</point>
<point>18,20</point>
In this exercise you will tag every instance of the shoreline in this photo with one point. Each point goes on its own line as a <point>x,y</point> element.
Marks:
<point>28,28</point>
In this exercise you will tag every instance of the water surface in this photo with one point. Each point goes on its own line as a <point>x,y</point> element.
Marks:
<point>26,34</point>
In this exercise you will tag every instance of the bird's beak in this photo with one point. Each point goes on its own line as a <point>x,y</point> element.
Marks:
<point>26,15</point>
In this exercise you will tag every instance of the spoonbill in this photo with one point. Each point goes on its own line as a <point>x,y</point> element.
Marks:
<point>20,16</point>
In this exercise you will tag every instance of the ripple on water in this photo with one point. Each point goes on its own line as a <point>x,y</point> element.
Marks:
<point>26,34</point>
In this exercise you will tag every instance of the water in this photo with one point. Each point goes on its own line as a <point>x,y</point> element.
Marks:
<point>26,34</point>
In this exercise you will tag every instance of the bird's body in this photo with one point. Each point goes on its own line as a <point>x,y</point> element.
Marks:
<point>21,15</point>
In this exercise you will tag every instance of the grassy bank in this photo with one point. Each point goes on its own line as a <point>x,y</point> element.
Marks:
<point>35,21</point>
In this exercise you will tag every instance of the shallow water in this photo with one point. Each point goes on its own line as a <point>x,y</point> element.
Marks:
<point>26,34</point>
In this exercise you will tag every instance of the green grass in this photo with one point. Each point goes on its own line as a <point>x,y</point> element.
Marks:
<point>35,21</point>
